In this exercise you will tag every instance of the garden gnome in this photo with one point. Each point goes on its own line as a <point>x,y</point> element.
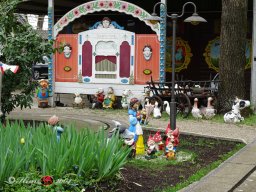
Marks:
<point>98,99</point>
<point>42,93</point>
<point>109,99</point>
<point>135,127</point>
<point>169,151</point>
<point>158,139</point>
<point>172,136</point>
<point>54,122</point>
<point>152,149</point>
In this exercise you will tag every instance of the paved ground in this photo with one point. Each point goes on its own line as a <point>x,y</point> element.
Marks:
<point>227,177</point>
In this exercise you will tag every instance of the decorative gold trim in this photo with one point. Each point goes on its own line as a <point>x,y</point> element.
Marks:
<point>67,68</point>
<point>212,54</point>
<point>147,71</point>
<point>183,54</point>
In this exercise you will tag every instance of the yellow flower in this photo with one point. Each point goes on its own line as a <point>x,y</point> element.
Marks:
<point>22,140</point>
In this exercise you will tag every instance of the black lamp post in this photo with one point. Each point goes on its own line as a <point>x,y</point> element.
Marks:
<point>194,19</point>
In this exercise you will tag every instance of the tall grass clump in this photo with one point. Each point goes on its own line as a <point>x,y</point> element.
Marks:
<point>85,154</point>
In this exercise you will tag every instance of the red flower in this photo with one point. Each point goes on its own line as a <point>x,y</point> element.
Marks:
<point>124,6</point>
<point>137,12</point>
<point>46,180</point>
<point>76,12</point>
<point>110,4</point>
<point>101,4</point>
<point>88,7</point>
<point>65,20</point>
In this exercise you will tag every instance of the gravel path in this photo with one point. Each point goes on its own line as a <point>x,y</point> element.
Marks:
<point>201,127</point>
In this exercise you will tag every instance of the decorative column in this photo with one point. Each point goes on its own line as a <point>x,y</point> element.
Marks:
<point>162,42</point>
<point>50,38</point>
<point>253,69</point>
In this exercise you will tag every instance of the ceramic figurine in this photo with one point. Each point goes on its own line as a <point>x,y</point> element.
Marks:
<point>124,101</point>
<point>196,112</point>
<point>42,93</point>
<point>54,122</point>
<point>157,111</point>
<point>167,108</point>
<point>135,127</point>
<point>210,112</point>
<point>234,115</point>
<point>172,136</point>
<point>158,139</point>
<point>152,149</point>
<point>78,101</point>
<point>125,134</point>
<point>149,109</point>
<point>143,120</point>
<point>98,99</point>
<point>109,99</point>
<point>169,151</point>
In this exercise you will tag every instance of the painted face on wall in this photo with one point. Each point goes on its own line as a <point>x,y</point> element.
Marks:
<point>67,51</point>
<point>105,23</point>
<point>147,52</point>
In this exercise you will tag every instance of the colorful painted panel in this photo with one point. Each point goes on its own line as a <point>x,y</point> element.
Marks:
<point>212,54</point>
<point>66,61</point>
<point>110,5</point>
<point>125,53</point>
<point>87,59</point>
<point>182,57</point>
<point>146,60</point>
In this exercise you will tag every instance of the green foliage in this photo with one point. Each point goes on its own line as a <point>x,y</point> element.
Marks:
<point>82,158</point>
<point>22,46</point>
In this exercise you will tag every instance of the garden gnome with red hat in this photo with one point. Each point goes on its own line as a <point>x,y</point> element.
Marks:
<point>158,139</point>
<point>172,140</point>
<point>152,149</point>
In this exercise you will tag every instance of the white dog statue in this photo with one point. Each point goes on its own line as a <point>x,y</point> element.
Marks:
<point>234,115</point>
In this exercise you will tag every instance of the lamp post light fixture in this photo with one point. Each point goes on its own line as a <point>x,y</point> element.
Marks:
<point>194,19</point>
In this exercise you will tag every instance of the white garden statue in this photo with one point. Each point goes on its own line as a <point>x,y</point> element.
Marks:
<point>234,115</point>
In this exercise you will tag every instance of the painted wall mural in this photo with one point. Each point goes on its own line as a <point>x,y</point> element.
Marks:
<point>182,57</point>
<point>212,54</point>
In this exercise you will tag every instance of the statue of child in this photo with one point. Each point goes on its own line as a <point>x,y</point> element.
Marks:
<point>135,127</point>
<point>54,122</point>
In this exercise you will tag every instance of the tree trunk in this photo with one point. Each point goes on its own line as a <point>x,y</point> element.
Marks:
<point>232,52</point>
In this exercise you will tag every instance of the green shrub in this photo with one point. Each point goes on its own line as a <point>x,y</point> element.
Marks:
<point>88,155</point>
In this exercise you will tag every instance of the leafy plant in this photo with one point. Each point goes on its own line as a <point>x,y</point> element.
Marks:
<point>22,46</point>
<point>87,155</point>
